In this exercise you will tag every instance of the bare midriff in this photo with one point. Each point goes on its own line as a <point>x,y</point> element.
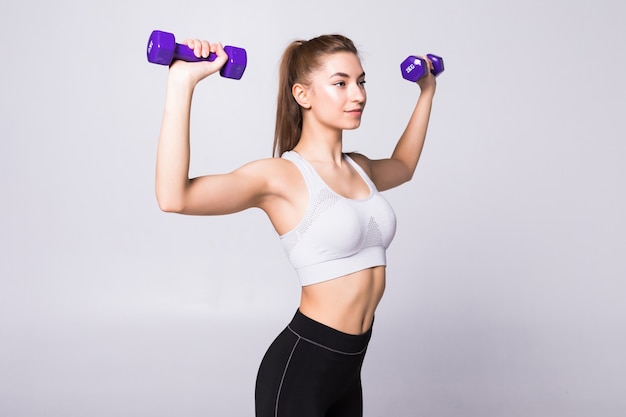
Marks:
<point>347,303</point>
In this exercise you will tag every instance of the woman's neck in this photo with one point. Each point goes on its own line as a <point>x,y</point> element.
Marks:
<point>321,146</point>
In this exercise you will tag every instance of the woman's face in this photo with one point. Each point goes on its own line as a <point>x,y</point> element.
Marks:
<point>337,92</point>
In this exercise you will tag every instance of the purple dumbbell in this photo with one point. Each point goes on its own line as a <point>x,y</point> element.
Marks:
<point>414,68</point>
<point>163,49</point>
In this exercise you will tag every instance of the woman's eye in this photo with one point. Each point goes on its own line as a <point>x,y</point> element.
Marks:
<point>340,83</point>
<point>362,83</point>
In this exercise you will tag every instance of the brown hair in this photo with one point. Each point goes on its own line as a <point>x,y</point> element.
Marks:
<point>299,60</point>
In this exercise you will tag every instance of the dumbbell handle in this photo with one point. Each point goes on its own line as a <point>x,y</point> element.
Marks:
<point>185,53</point>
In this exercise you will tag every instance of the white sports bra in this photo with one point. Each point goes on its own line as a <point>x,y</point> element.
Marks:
<point>337,235</point>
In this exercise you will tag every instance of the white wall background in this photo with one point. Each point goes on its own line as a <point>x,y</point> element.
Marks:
<point>507,277</point>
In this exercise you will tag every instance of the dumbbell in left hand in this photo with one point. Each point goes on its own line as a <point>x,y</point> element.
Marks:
<point>414,68</point>
<point>162,49</point>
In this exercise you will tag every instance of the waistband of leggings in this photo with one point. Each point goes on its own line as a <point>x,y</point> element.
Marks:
<point>327,337</point>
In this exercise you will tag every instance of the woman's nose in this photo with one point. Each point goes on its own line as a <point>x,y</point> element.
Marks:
<point>357,93</point>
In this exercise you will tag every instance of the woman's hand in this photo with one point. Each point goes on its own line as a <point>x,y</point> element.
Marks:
<point>194,72</point>
<point>428,83</point>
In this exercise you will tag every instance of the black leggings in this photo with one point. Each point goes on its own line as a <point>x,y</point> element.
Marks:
<point>311,370</point>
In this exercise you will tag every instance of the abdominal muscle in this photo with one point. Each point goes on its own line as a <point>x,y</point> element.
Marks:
<point>347,303</point>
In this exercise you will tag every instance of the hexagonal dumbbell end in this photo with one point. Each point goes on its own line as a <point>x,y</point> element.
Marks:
<point>437,64</point>
<point>162,49</point>
<point>236,64</point>
<point>413,68</point>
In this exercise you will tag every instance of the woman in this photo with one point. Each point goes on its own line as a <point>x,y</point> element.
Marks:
<point>324,204</point>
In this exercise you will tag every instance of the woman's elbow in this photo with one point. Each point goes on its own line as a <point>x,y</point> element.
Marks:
<point>169,204</point>
<point>170,208</point>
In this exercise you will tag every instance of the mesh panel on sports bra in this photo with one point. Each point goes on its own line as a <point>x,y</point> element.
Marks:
<point>324,200</point>
<point>374,236</point>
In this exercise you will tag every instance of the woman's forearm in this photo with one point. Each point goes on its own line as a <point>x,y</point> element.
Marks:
<point>172,170</point>
<point>409,147</point>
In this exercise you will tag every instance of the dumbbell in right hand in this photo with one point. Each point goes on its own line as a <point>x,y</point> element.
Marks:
<point>162,49</point>
<point>414,68</point>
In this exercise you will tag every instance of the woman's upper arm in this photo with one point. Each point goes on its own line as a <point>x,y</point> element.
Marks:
<point>244,188</point>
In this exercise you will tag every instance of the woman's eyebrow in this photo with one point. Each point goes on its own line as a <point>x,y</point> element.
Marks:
<point>343,74</point>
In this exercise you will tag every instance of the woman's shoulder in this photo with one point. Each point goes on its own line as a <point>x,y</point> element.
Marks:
<point>270,166</point>
<point>362,160</point>
<point>278,172</point>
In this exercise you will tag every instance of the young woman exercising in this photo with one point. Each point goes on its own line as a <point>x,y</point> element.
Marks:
<point>324,204</point>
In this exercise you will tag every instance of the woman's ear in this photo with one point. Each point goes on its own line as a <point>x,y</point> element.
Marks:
<point>301,94</point>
